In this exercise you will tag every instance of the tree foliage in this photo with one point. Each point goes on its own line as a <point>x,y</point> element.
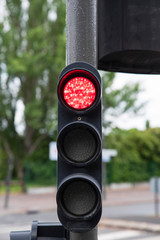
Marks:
<point>119,101</point>
<point>138,156</point>
<point>32,43</point>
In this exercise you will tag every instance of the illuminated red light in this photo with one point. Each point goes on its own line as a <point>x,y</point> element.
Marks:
<point>79,93</point>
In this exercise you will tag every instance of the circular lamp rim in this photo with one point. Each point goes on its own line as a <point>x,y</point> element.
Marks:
<point>73,73</point>
<point>70,127</point>
<point>90,181</point>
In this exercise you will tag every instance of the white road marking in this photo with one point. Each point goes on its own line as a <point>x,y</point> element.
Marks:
<point>153,238</point>
<point>120,235</point>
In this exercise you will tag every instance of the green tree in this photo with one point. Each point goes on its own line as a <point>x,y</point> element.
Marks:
<point>118,101</point>
<point>138,156</point>
<point>32,43</point>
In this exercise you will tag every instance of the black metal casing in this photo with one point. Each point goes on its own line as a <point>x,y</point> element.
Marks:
<point>129,36</point>
<point>89,171</point>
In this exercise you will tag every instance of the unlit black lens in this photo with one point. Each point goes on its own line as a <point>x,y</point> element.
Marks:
<point>79,144</point>
<point>79,198</point>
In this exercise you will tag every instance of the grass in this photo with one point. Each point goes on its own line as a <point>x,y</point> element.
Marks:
<point>13,189</point>
<point>17,188</point>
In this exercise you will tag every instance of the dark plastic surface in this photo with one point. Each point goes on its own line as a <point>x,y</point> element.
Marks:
<point>129,36</point>
<point>79,158</point>
<point>41,231</point>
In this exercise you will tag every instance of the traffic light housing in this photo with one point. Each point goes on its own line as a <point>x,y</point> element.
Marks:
<point>79,147</point>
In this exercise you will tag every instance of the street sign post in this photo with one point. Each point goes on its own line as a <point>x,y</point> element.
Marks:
<point>53,151</point>
<point>106,157</point>
<point>155,189</point>
<point>107,154</point>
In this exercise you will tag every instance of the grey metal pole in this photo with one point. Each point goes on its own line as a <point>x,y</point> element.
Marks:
<point>156,197</point>
<point>81,33</point>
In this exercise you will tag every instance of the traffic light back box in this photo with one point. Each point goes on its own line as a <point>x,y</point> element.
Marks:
<point>129,36</point>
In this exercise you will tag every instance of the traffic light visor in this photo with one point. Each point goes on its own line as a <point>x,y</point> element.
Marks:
<point>79,90</point>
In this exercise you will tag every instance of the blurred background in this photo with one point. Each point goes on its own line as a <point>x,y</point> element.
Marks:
<point>32,54</point>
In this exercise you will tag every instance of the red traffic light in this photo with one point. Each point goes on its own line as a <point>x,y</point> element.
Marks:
<point>79,90</point>
<point>79,93</point>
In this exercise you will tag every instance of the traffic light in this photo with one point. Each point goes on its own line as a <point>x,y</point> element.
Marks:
<point>129,36</point>
<point>79,147</point>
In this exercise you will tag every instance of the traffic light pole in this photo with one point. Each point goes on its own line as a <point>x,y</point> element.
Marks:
<point>91,235</point>
<point>81,33</point>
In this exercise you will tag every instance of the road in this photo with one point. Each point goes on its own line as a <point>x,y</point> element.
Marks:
<point>17,222</point>
<point>129,210</point>
<point>127,235</point>
<point>107,234</point>
<point>136,204</point>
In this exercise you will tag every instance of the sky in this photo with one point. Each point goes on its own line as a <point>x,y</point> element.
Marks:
<point>151,95</point>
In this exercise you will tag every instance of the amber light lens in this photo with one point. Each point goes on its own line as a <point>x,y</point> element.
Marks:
<point>79,93</point>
